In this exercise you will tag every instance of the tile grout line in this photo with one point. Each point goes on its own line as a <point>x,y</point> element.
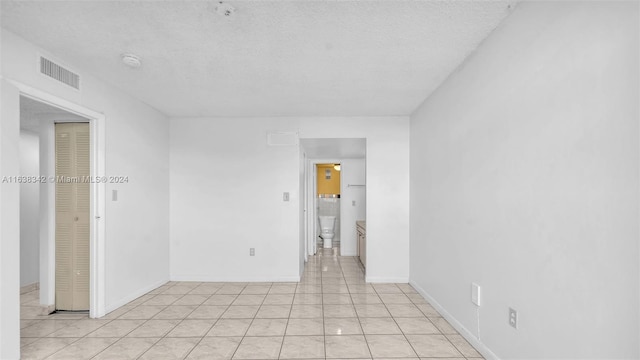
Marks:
<point>314,282</point>
<point>358,316</point>
<point>398,325</point>
<point>205,335</point>
<point>110,321</point>
<point>179,322</point>
<point>252,320</point>
<point>324,333</point>
<point>137,327</point>
<point>159,339</point>
<point>286,326</point>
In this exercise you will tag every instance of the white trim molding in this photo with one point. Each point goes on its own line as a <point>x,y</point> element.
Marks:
<point>383,280</point>
<point>472,339</point>
<point>228,279</point>
<point>29,288</point>
<point>129,298</point>
<point>97,123</point>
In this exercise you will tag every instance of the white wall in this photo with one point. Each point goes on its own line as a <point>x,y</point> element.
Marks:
<point>302,212</point>
<point>226,196</point>
<point>138,222</point>
<point>352,172</point>
<point>9,222</point>
<point>387,191</point>
<point>29,209</point>
<point>47,212</point>
<point>524,179</point>
<point>137,146</point>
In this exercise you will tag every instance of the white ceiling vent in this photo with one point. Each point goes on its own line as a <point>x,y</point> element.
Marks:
<point>57,72</point>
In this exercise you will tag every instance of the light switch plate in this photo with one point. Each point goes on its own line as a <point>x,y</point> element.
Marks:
<point>285,196</point>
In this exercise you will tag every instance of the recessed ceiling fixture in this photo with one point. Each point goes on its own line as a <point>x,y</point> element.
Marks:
<point>224,9</point>
<point>131,60</point>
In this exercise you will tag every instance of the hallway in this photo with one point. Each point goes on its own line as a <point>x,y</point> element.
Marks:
<point>332,313</point>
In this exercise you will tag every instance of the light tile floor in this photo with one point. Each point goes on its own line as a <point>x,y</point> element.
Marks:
<point>331,314</point>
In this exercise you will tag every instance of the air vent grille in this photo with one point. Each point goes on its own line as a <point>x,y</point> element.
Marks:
<point>55,71</point>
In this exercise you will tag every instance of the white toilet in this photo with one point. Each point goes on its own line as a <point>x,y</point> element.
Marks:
<point>326,229</point>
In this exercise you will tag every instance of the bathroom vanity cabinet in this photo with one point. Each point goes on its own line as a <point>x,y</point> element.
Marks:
<point>361,227</point>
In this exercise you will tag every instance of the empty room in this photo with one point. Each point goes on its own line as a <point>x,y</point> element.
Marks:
<point>302,179</point>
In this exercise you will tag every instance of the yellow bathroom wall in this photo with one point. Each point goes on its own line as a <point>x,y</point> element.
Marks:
<point>330,186</point>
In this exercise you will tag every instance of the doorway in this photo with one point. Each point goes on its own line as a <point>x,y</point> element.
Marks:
<point>41,116</point>
<point>350,153</point>
<point>328,208</point>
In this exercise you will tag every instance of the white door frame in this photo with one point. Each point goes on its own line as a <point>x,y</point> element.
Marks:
<point>305,204</point>
<point>97,307</point>
<point>312,216</point>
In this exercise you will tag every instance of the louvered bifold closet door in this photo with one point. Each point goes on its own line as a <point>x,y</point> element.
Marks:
<point>72,216</point>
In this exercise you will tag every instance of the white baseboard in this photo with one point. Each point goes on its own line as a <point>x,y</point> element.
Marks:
<point>29,288</point>
<point>378,279</point>
<point>207,278</point>
<point>44,309</point>
<point>47,309</point>
<point>471,338</point>
<point>127,299</point>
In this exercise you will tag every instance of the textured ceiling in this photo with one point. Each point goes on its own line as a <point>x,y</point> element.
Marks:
<point>272,58</point>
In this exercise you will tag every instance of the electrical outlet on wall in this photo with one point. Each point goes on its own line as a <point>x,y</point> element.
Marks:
<point>252,251</point>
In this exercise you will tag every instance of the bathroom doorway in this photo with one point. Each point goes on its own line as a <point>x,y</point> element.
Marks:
<point>351,155</point>
<point>328,208</point>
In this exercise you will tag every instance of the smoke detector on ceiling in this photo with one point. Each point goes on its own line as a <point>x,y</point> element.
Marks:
<point>131,60</point>
<point>224,9</point>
